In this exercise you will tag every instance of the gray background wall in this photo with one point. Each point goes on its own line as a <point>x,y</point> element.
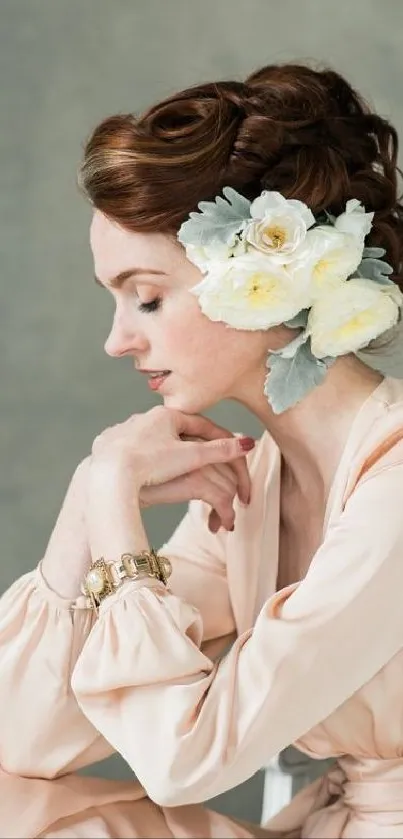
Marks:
<point>65,64</point>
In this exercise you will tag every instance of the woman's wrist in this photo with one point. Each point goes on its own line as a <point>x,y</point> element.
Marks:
<point>114,521</point>
<point>117,534</point>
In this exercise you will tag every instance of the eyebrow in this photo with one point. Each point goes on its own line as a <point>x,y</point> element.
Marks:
<point>120,279</point>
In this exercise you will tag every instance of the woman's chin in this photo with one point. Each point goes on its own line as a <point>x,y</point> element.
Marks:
<point>186,404</point>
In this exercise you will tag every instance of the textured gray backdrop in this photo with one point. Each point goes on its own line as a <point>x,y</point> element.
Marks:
<point>64,64</point>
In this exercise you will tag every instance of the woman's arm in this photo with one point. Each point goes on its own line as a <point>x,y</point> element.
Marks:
<point>42,632</point>
<point>44,622</point>
<point>44,625</point>
<point>313,646</point>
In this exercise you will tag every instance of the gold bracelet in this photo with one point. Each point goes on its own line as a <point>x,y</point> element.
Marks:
<point>104,578</point>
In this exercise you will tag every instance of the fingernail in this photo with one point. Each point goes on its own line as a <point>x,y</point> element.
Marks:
<point>246,443</point>
<point>243,500</point>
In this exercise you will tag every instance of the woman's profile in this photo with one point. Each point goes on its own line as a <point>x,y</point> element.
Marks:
<point>251,236</point>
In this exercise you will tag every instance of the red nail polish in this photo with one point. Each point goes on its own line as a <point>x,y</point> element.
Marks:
<point>246,443</point>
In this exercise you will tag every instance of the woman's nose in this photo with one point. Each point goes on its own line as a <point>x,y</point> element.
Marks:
<point>124,341</point>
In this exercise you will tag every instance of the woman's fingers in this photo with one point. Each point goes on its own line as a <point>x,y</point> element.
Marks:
<point>194,427</point>
<point>214,521</point>
<point>176,491</point>
<point>191,456</point>
<point>217,445</point>
<point>241,470</point>
<point>215,485</point>
<point>223,491</point>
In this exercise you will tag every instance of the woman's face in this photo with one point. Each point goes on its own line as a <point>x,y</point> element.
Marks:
<point>159,322</point>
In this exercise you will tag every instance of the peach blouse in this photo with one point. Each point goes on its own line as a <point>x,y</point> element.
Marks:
<point>318,664</point>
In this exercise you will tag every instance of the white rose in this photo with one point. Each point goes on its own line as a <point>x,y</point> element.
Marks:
<point>278,226</point>
<point>204,257</point>
<point>355,220</point>
<point>351,315</point>
<point>250,292</point>
<point>328,257</point>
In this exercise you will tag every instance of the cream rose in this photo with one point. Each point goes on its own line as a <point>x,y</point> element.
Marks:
<point>351,315</point>
<point>250,292</point>
<point>354,220</point>
<point>205,257</point>
<point>328,257</point>
<point>278,226</point>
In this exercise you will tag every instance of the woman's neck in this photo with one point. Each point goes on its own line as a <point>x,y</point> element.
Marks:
<point>312,435</point>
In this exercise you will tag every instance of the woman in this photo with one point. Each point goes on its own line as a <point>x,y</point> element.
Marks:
<point>264,293</point>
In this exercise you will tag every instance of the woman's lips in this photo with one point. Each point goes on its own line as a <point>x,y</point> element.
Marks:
<point>155,382</point>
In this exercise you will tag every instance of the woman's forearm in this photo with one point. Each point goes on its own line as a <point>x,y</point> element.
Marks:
<point>67,555</point>
<point>114,523</point>
<point>97,519</point>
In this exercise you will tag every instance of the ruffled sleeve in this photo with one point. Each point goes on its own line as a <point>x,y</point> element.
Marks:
<point>44,732</point>
<point>199,572</point>
<point>191,728</point>
<point>42,635</point>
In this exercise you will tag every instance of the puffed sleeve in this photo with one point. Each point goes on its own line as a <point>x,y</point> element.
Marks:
<point>191,728</point>
<point>199,574</point>
<point>42,634</point>
<point>44,732</point>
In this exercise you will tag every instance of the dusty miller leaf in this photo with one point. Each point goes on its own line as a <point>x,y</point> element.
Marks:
<point>372,268</point>
<point>289,380</point>
<point>373,253</point>
<point>217,222</point>
<point>292,347</point>
<point>300,320</point>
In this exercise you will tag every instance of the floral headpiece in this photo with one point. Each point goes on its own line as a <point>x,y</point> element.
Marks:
<point>271,262</point>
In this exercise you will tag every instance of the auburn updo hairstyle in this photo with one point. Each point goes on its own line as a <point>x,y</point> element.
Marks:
<point>303,132</point>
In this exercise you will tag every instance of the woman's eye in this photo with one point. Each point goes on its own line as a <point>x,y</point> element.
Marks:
<point>152,306</point>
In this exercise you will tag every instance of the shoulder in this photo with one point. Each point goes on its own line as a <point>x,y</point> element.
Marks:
<point>380,447</point>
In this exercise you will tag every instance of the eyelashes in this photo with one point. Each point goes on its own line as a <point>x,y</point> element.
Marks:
<point>152,306</point>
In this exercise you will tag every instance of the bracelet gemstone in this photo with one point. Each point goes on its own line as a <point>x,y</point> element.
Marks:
<point>95,581</point>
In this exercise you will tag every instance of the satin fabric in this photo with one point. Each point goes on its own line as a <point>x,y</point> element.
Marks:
<point>318,664</point>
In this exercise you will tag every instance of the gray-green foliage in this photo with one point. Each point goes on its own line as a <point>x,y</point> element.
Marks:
<point>218,222</point>
<point>300,320</point>
<point>291,378</point>
<point>372,267</point>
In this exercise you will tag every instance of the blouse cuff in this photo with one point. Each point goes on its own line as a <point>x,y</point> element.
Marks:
<point>51,596</point>
<point>127,588</point>
<point>81,602</point>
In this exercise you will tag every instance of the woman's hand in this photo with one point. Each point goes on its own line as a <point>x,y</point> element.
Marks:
<point>160,445</point>
<point>150,450</point>
<point>216,484</point>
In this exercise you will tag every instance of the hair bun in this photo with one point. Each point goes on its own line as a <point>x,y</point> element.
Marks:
<point>305,133</point>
